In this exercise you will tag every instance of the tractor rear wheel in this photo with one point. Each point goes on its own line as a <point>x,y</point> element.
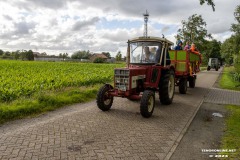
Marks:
<point>147,103</point>
<point>192,82</point>
<point>183,86</point>
<point>104,100</point>
<point>167,87</point>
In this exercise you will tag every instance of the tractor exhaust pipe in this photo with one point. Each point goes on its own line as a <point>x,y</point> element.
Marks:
<point>128,54</point>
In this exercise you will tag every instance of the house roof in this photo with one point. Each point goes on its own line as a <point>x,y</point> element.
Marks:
<point>98,55</point>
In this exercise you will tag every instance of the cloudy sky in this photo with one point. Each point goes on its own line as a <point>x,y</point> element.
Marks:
<point>59,26</point>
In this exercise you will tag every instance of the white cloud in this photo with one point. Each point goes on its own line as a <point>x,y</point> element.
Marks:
<point>68,25</point>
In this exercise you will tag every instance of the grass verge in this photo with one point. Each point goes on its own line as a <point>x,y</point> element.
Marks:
<point>226,81</point>
<point>44,102</point>
<point>231,138</point>
<point>203,68</point>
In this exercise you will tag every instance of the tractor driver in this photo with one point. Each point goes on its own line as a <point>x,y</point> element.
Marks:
<point>149,56</point>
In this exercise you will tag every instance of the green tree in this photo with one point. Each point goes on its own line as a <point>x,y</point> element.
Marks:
<point>60,55</point>
<point>236,29</point>
<point>107,54</point>
<point>29,55</point>
<point>194,30</point>
<point>81,55</point>
<point>1,52</point>
<point>23,55</point>
<point>99,60</point>
<point>119,56</point>
<point>16,55</point>
<point>7,53</point>
<point>212,49</point>
<point>209,2</point>
<point>227,49</point>
<point>63,56</point>
<point>215,49</point>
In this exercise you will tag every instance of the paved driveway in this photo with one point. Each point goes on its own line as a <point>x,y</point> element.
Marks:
<point>82,131</point>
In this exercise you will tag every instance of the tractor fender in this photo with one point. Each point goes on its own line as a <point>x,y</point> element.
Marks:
<point>164,71</point>
<point>108,85</point>
<point>172,68</point>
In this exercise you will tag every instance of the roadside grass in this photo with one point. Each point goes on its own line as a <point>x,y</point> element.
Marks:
<point>203,68</point>
<point>227,82</point>
<point>47,101</point>
<point>231,137</point>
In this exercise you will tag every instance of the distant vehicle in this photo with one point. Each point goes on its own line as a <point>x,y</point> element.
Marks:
<point>213,63</point>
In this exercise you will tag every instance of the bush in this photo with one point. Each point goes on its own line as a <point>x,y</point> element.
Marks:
<point>99,60</point>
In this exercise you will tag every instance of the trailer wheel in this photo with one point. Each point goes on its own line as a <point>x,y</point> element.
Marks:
<point>208,68</point>
<point>183,86</point>
<point>167,87</point>
<point>104,100</point>
<point>192,82</point>
<point>147,103</point>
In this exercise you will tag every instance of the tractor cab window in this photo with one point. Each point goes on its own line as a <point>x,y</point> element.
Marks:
<point>145,52</point>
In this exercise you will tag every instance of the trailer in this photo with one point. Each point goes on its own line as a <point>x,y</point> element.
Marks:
<point>187,65</point>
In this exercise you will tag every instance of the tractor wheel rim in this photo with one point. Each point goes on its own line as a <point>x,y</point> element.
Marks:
<point>150,104</point>
<point>107,100</point>
<point>171,86</point>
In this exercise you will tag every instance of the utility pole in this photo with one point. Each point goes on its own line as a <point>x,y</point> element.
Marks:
<point>145,32</point>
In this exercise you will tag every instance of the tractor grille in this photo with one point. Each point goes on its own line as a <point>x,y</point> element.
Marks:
<point>121,79</point>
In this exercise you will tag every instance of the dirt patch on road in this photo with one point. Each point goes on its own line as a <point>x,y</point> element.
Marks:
<point>204,132</point>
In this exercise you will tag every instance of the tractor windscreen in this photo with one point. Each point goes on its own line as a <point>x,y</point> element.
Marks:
<point>145,52</point>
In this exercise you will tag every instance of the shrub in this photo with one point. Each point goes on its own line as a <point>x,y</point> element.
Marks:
<point>99,60</point>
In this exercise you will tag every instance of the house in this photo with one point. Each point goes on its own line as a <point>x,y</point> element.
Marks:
<point>98,55</point>
<point>111,60</point>
<point>36,54</point>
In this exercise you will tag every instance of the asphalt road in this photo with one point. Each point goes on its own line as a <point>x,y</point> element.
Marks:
<point>82,131</point>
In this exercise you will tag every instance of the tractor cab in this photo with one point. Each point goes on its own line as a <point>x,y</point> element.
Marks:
<point>149,51</point>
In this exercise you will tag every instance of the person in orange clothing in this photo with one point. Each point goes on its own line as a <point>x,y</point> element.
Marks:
<point>193,49</point>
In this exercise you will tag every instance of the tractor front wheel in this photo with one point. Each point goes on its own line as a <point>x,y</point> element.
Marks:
<point>104,100</point>
<point>147,103</point>
<point>183,85</point>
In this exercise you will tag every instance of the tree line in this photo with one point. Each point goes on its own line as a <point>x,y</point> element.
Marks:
<point>23,55</point>
<point>29,55</point>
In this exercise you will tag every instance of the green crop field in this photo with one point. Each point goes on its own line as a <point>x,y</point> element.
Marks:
<point>23,79</point>
<point>28,86</point>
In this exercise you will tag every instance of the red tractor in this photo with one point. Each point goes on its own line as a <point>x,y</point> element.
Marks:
<point>148,70</point>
